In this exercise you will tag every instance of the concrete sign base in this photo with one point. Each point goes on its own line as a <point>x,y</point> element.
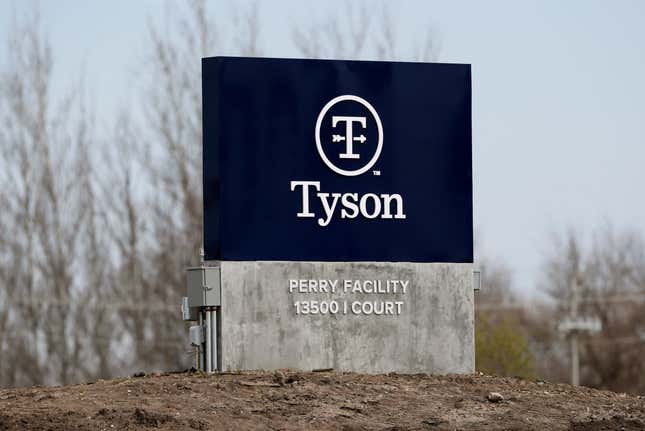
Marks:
<point>363,317</point>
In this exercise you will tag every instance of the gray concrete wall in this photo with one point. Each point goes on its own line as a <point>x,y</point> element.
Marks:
<point>433,333</point>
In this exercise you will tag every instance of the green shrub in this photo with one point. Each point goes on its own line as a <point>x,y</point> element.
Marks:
<point>501,349</point>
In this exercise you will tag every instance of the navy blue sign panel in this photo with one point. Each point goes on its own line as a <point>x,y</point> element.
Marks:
<point>320,160</point>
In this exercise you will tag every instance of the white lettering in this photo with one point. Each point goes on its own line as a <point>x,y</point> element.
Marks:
<point>333,284</point>
<point>356,307</point>
<point>405,284</point>
<point>370,205</point>
<point>387,199</point>
<point>349,205</point>
<point>329,210</point>
<point>366,308</point>
<point>377,206</point>
<point>305,196</point>
<point>347,284</point>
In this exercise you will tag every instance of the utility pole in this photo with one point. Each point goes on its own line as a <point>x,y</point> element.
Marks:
<point>575,357</point>
<point>574,324</point>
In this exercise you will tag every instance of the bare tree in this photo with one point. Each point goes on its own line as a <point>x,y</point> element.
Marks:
<point>362,32</point>
<point>610,278</point>
<point>46,176</point>
<point>522,330</point>
<point>157,224</point>
<point>92,257</point>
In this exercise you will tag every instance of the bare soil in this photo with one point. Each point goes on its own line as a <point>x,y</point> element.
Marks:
<point>288,400</point>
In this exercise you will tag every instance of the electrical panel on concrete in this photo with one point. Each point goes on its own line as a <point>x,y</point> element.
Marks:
<point>204,288</point>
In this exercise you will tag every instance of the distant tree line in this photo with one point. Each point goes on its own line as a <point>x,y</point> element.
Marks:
<point>99,221</point>
<point>521,337</point>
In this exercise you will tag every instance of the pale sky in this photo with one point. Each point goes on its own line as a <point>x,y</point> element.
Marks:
<point>558,98</point>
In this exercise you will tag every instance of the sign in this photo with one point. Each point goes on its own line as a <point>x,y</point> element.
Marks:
<point>319,160</point>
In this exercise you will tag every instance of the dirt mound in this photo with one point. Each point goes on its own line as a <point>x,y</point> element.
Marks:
<point>286,400</point>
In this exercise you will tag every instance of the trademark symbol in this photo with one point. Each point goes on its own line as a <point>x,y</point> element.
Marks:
<point>376,173</point>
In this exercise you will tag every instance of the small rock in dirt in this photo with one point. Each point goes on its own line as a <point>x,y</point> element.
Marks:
<point>197,424</point>
<point>292,378</point>
<point>146,418</point>
<point>459,403</point>
<point>375,400</point>
<point>41,397</point>
<point>432,421</point>
<point>257,384</point>
<point>278,377</point>
<point>352,407</point>
<point>494,397</point>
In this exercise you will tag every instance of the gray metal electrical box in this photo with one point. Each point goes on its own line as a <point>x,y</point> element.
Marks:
<point>188,313</point>
<point>196,334</point>
<point>204,288</point>
<point>477,280</point>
